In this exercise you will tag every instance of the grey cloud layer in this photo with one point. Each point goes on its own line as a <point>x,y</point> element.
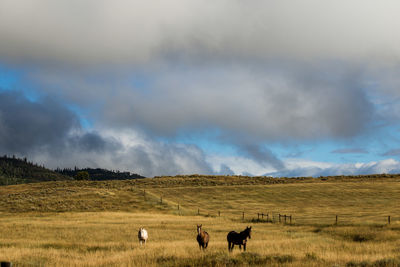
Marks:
<point>122,31</point>
<point>49,133</point>
<point>250,103</point>
<point>211,64</point>
<point>26,126</point>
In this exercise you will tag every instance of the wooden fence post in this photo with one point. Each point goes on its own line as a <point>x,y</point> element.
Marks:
<point>258,216</point>
<point>243,216</point>
<point>336,220</point>
<point>198,211</point>
<point>219,213</point>
<point>285,218</point>
<point>262,216</point>
<point>389,219</point>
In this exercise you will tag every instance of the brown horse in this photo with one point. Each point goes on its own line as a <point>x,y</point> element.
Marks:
<point>240,239</point>
<point>202,237</point>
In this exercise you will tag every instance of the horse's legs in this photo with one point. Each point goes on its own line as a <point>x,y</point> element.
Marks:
<point>206,245</point>
<point>244,246</point>
<point>240,247</point>
<point>229,246</point>
<point>140,242</point>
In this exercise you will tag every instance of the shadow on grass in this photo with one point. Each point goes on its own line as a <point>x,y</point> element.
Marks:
<point>378,263</point>
<point>224,259</point>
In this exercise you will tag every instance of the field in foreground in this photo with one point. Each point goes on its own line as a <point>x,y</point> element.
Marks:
<point>95,223</point>
<point>110,239</point>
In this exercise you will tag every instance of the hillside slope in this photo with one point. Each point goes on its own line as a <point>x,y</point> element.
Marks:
<point>19,171</point>
<point>309,200</point>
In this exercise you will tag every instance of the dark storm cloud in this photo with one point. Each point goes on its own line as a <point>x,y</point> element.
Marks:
<point>44,125</point>
<point>27,126</point>
<point>93,142</point>
<point>48,132</point>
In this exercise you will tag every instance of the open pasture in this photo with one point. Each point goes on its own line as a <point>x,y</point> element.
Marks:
<point>110,239</point>
<point>95,223</point>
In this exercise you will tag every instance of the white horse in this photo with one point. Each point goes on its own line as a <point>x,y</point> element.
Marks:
<point>142,235</point>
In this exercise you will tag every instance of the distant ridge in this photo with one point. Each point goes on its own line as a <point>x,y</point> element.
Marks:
<point>14,170</point>
<point>99,174</point>
<point>19,171</point>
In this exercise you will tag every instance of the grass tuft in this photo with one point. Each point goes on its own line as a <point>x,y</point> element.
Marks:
<point>311,256</point>
<point>362,238</point>
<point>379,263</point>
<point>224,259</point>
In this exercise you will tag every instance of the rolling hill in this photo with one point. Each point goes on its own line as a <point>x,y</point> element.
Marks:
<point>358,199</point>
<point>18,171</point>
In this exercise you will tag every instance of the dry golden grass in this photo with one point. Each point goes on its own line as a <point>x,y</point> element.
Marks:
<point>309,203</point>
<point>110,238</point>
<point>95,223</point>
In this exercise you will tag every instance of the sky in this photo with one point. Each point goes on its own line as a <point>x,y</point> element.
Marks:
<point>277,88</point>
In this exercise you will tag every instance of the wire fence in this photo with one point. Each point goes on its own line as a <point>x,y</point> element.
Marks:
<point>276,216</point>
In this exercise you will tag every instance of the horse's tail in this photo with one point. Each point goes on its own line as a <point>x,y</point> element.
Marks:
<point>229,236</point>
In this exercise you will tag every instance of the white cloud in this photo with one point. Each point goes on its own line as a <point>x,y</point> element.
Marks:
<point>298,167</point>
<point>133,152</point>
<point>238,165</point>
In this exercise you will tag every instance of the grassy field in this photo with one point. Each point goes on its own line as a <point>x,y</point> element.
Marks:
<point>84,223</point>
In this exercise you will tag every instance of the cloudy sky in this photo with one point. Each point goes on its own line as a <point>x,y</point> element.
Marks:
<point>282,88</point>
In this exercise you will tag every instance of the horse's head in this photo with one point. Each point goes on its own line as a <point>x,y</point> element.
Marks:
<point>248,231</point>
<point>199,228</point>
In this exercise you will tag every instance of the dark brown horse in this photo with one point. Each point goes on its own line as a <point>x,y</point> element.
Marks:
<point>202,237</point>
<point>240,239</point>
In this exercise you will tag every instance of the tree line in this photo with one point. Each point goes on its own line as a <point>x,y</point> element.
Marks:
<point>97,174</point>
